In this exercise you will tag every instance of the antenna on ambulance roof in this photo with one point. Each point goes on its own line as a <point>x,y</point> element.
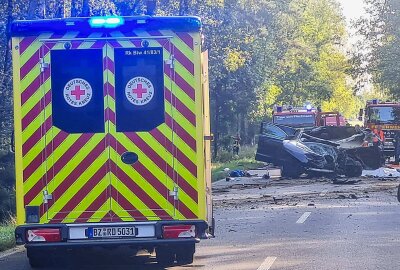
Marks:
<point>151,7</point>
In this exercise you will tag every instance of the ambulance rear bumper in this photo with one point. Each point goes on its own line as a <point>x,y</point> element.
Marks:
<point>68,233</point>
<point>133,243</point>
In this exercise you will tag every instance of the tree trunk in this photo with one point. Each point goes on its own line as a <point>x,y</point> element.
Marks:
<point>217,119</point>
<point>183,7</point>
<point>7,61</point>
<point>60,10</point>
<point>32,8</point>
<point>74,8</point>
<point>85,8</point>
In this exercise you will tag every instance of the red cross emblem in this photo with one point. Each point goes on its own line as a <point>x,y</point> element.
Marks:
<point>78,92</point>
<point>139,91</point>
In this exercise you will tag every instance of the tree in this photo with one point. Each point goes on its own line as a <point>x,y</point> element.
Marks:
<point>380,46</point>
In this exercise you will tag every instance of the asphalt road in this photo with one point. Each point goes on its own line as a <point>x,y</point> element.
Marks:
<point>330,227</point>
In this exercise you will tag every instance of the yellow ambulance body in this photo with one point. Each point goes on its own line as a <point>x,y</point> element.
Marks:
<point>112,135</point>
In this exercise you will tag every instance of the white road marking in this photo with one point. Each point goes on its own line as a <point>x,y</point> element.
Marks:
<point>323,193</point>
<point>266,265</point>
<point>303,218</point>
<point>10,252</point>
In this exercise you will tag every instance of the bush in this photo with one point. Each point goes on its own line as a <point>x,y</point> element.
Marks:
<point>7,239</point>
<point>7,203</point>
<point>7,185</point>
<point>245,152</point>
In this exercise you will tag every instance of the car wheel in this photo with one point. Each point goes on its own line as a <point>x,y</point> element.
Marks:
<point>354,170</point>
<point>292,170</point>
<point>165,256</point>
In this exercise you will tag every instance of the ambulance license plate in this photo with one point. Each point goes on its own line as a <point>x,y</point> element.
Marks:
<point>111,232</point>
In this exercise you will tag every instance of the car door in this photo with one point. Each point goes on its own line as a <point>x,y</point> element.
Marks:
<point>270,144</point>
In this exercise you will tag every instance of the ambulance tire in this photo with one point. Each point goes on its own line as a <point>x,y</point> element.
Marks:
<point>37,260</point>
<point>165,256</point>
<point>185,256</point>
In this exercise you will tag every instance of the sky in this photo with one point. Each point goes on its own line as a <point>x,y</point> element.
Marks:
<point>352,9</point>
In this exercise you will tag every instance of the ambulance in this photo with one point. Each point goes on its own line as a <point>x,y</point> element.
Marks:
<point>112,136</point>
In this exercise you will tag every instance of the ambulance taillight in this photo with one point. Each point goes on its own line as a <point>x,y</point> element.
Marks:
<point>179,231</point>
<point>44,235</point>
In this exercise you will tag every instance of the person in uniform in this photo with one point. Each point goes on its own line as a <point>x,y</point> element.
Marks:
<point>236,144</point>
<point>380,135</point>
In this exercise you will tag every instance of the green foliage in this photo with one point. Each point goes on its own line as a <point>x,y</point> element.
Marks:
<point>378,52</point>
<point>226,159</point>
<point>7,185</point>
<point>7,238</point>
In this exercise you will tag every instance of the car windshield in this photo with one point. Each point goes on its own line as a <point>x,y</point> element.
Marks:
<point>383,115</point>
<point>295,120</point>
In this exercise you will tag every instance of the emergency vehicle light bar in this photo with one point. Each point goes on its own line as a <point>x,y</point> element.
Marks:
<point>108,22</point>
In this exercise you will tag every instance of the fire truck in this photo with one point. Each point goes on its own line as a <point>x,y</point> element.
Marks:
<point>305,117</point>
<point>112,133</point>
<point>385,116</point>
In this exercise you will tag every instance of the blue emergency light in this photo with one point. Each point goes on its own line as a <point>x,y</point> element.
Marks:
<point>309,107</point>
<point>107,22</point>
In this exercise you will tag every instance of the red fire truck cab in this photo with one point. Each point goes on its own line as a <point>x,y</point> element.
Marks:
<point>385,116</point>
<point>305,117</point>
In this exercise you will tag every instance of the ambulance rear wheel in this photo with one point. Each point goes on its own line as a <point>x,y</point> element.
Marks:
<point>185,255</point>
<point>165,256</point>
<point>184,258</point>
<point>37,260</point>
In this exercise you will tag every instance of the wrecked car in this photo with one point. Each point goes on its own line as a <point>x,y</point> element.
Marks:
<point>358,144</point>
<point>297,152</point>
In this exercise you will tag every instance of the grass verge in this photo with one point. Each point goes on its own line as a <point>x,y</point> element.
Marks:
<point>218,173</point>
<point>7,239</point>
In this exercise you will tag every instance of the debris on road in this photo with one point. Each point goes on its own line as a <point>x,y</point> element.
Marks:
<point>247,192</point>
<point>346,181</point>
<point>382,173</point>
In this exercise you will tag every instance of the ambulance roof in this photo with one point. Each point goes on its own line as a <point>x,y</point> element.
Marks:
<point>34,27</point>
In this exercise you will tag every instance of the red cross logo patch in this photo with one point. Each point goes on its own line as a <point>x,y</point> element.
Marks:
<point>77,92</point>
<point>139,91</point>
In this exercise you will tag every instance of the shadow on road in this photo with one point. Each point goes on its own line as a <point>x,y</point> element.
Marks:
<point>108,260</point>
